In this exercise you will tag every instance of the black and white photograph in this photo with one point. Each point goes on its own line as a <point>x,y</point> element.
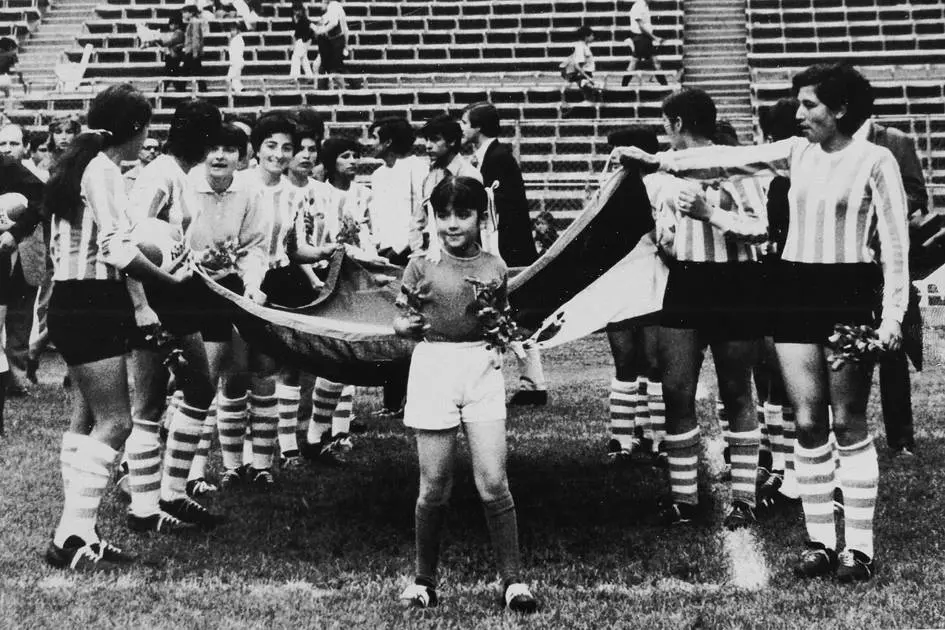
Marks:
<point>564,314</point>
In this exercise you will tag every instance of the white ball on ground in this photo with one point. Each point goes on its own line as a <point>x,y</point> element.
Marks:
<point>161,243</point>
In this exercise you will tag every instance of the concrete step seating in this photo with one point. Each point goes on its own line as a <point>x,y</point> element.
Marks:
<point>917,98</point>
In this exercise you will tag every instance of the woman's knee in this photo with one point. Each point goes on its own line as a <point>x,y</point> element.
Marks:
<point>435,489</point>
<point>492,484</point>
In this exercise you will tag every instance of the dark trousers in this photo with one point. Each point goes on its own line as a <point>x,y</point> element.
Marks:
<point>19,322</point>
<point>895,391</point>
<point>192,66</point>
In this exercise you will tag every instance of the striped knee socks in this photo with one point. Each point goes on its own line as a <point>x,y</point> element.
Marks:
<point>815,481</point>
<point>683,453</point>
<point>859,478</point>
<point>622,403</point>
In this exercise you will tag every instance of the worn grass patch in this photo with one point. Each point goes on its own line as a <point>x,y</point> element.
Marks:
<point>333,547</point>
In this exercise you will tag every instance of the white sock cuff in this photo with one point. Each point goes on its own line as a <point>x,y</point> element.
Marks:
<point>291,392</point>
<point>624,387</point>
<point>856,449</point>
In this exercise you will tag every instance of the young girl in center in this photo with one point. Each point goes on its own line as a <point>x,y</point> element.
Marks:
<point>470,391</point>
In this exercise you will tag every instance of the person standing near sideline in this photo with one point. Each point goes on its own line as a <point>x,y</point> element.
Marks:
<point>481,128</point>
<point>895,389</point>
<point>149,150</point>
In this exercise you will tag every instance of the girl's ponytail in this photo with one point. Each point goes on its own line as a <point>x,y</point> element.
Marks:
<point>63,197</point>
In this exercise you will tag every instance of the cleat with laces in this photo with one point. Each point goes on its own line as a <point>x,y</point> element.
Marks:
<point>741,515</point>
<point>189,511</point>
<point>519,599</point>
<point>200,487</point>
<point>418,596</point>
<point>855,566</point>
<point>78,555</point>
<point>816,561</point>
<point>231,478</point>
<point>290,462</point>
<point>160,523</point>
<point>111,553</point>
<point>263,479</point>
<point>343,442</point>
<point>358,427</point>
<point>678,514</point>
<point>617,454</point>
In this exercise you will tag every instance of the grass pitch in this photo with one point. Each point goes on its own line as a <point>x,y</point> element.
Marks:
<point>334,547</point>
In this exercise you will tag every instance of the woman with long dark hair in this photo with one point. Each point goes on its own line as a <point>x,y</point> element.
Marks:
<point>91,317</point>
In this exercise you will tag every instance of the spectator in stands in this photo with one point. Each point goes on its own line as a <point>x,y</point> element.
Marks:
<point>302,34</point>
<point>644,42</point>
<point>480,125</point>
<point>443,139</point>
<point>396,194</point>
<point>579,67</point>
<point>544,231</point>
<point>234,52</point>
<point>331,35</point>
<point>192,60</point>
<point>894,385</point>
<point>38,161</point>
<point>248,11</point>
<point>172,41</point>
<point>149,150</point>
<point>8,61</point>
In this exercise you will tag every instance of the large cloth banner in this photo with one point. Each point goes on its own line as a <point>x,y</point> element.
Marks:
<point>632,288</point>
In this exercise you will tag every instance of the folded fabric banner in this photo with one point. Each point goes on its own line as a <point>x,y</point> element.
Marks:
<point>632,288</point>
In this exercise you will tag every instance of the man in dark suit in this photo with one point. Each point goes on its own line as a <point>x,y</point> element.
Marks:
<point>16,178</point>
<point>27,267</point>
<point>894,385</point>
<point>480,124</point>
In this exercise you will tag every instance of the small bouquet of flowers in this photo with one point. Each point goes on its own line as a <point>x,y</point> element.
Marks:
<point>221,259</point>
<point>498,326</point>
<point>411,299</point>
<point>349,232</point>
<point>852,344</point>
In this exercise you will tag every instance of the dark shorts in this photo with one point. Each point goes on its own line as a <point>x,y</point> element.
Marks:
<point>810,299</point>
<point>288,286</point>
<point>331,50</point>
<point>91,320</point>
<point>642,46</point>
<point>192,308</point>
<point>723,301</point>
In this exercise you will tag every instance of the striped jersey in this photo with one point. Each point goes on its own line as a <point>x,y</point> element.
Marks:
<point>96,244</point>
<point>157,193</point>
<point>693,240</point>
<point>279,203</point>
<point>332,215</point>
<point>838,202</point>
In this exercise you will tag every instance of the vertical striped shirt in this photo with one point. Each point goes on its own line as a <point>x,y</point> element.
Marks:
<point>96,244</point>
<point>330,213</point>
<point>699,241</point>
<point>157,193</point>
<point>839,202</point>
<point>280,204</point>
